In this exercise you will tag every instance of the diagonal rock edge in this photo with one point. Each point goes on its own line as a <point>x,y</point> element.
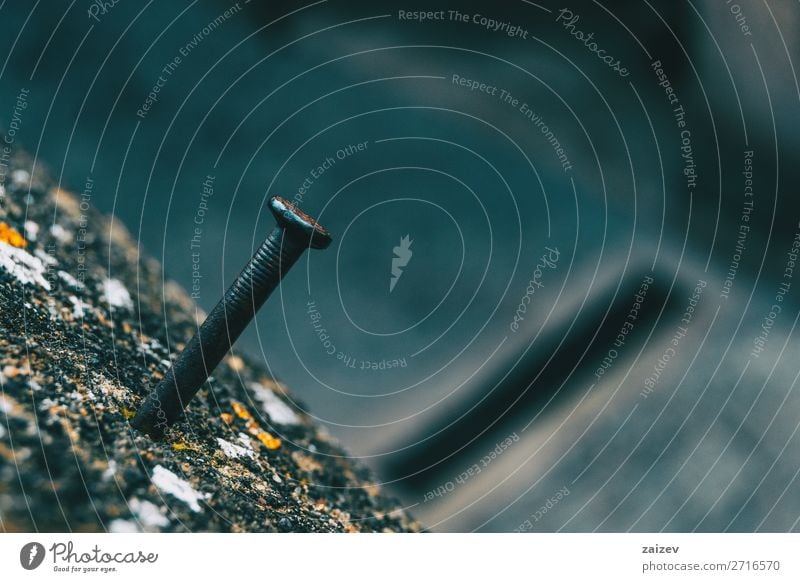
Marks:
<point>82,337</point>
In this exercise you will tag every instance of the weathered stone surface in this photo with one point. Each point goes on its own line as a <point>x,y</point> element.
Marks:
<point>82,338</point>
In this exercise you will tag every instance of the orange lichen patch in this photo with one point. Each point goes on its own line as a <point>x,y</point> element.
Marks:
<point>343,517</point>
<point>11,371</point>
<point>67,202</point>
<point>23,368</point>
<point>236,363</point>
<point>9,405</point>
<point>180,446</point>
<point>306,463</point>
<point>372,489</point>
<point>226,417</point>
<point>241,411</point>
<point>6,453</point>
<point>253,428</point>
<point>269,383</point>
<point>127,413</point>
<point>118,233</point>
<point>268,440</point>
<point>177,295</point>
<point>199,316</point>
<point>10,236</point>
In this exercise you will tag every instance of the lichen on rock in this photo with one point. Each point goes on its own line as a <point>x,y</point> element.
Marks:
<point>82,340</point>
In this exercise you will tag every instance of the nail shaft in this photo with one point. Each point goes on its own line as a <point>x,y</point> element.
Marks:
<point>294,233</point>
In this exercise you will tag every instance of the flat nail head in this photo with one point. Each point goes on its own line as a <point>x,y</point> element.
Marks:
<point>299,224</point>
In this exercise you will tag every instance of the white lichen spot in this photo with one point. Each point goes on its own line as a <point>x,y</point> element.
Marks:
<point>78,307</point>
<point>169,483</point>
<point>5,406</point>
<point>123,526</point>
<point>20,177</point>
<point>35,386</point>
<point>154,349</point>
<point>109,473</point>
<point>245,440</point>
<point>277,478</point>
<point>278,411</point>
<point>109,387</point>
<point>70,280</point>
<point>47,258</point>
<point>51,309</point>
<point>236,451</point>
<point>23,266</point>
<point>148,514</point>
<point>31,230</point>
<point>61,234</point>
<point>116,294</point>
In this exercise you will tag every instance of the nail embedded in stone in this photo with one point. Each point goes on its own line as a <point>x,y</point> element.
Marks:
<point>294,233</point>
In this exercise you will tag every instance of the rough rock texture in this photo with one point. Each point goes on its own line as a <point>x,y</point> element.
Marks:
<point>82,338</point>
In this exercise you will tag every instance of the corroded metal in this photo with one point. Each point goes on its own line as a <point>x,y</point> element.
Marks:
<point>294,233</point>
